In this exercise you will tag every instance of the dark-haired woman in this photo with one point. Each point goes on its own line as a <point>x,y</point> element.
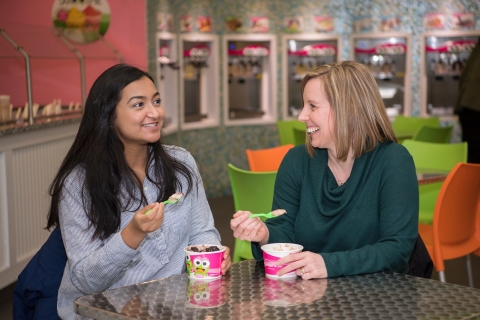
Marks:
<point>116,170</point>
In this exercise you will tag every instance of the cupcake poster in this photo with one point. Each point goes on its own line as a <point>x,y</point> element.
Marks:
<point>81,21</point>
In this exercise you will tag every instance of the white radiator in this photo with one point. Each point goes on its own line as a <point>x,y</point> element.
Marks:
<point>28,164</point>
<point>33,173</point>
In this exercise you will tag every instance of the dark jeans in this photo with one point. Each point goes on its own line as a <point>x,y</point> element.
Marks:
<point>470,122</point>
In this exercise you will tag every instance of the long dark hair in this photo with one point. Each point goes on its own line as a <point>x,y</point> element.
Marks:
<point>98,151</point>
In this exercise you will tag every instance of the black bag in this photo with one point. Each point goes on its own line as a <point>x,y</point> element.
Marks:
<point>420,263</point>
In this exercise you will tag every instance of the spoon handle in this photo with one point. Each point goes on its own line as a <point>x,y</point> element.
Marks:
<point>164,202</point>
<point>253,215</point>
<point>168,201</point>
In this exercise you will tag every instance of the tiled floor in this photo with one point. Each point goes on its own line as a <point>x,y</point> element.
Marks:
<point>223,209</point>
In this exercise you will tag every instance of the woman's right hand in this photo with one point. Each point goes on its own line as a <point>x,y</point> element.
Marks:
<point>142,224</point>
<point>251,229</point>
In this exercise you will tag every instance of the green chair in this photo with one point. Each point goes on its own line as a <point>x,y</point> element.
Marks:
<point>252,191</point>
<point>299,135</point>
<point>406,127</point>
<point>439,157</point>
<point>433,157</point>
<point>434,134</point>
<point>285,130</point>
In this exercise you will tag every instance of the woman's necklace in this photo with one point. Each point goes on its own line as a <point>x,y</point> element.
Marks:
<point>339,182</point>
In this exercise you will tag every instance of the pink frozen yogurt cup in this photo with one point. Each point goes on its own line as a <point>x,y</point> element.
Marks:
<point>204,265</point>
<point>270,257</point>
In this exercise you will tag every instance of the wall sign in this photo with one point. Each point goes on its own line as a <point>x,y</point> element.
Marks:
<point>324,23</point>
<point>434,21</point>
<point>259,24</point>
<point>186,23</point>
<point>82,21</point>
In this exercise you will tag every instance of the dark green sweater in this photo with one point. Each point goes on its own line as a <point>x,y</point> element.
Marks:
<point>367,225</point>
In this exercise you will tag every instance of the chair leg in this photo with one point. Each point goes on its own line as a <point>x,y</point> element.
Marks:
<point>469,271</point>
<point>441,275</point>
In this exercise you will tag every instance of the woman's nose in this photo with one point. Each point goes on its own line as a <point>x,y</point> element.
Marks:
<point>153,111</point>
<point>303,116</point>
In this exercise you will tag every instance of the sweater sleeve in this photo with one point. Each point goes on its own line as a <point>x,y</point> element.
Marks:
<point>397,222</point>
<point>94,265</point>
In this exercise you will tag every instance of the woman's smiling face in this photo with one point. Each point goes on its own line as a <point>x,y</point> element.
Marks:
<point>317,115</point>
<point>139,114</point>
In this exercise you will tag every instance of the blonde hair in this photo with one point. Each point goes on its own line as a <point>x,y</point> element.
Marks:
<point>360,117</point>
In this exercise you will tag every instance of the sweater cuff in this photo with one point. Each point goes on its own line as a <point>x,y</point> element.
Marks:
<point>257,251</point>
<point>331,261</point>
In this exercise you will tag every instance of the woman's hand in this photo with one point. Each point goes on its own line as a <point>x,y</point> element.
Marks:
<point>227,262</point>
<point>142,224</point>
<point>307,265</point>
<point>251,229</point>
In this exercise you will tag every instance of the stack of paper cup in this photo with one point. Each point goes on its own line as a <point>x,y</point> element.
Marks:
<point>5,110</point>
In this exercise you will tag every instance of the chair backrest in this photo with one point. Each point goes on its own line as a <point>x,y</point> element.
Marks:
<point>299,135</point>
<point>436,156</point>
<point>456,220</point>
<point>434,134</point>
<point>35,294</point>
<point>252,191</point>
<point>267,159</point>
<point>413,124</point>
<point>285,130</point>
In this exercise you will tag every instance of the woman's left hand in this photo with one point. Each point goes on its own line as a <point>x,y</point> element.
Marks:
<point>227,262</point>
<point>307,265</point>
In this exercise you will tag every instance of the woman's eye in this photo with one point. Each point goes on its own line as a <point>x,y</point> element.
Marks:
<point>312,106</point>
<point>138,104</point>
<point>157,101</point>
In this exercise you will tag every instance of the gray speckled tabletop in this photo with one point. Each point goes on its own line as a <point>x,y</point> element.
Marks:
<point>245,293</point>
<point>14,128</point>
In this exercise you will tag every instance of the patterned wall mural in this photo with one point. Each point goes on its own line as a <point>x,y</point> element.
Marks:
<point>215,147</point>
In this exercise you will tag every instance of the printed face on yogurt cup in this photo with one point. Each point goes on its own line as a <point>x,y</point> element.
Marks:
<point>204,261</point>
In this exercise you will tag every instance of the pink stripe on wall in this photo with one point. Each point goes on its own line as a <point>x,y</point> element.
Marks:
<point>60,79</point>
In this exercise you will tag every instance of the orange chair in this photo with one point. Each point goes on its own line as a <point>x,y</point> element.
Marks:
<point>456,220</point>
<point>267,159</point>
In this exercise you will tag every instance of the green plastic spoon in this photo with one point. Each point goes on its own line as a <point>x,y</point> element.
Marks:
<point>273,214</point>
<point>172,199</point>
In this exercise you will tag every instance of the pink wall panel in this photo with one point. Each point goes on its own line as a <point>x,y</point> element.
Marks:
<point>60,78</point>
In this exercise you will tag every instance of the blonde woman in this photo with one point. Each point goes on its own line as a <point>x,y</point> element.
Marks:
<point>351,193</point>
